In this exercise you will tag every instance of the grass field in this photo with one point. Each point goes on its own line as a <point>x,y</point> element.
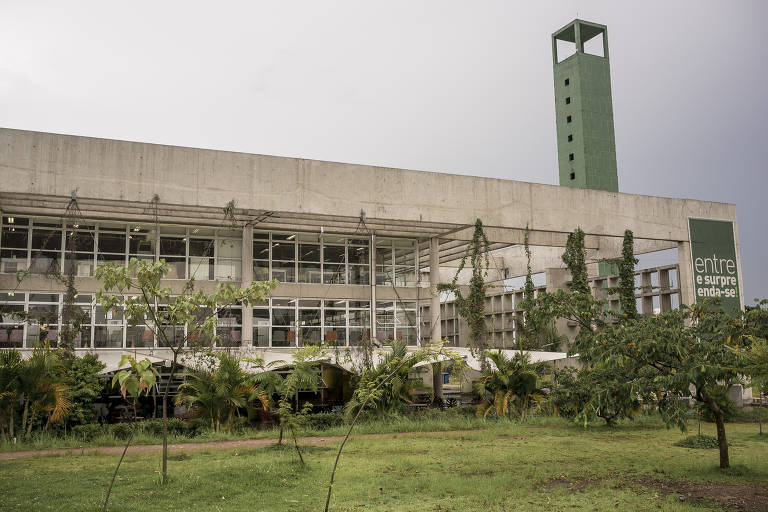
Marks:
<point>546,464</point>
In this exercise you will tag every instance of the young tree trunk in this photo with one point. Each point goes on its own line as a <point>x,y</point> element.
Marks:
<point>280,439</point>
<point>127,444</point>
<point>296,444</point>
<point>720,423</point>
<point>24,415</point>
<point>31,420</point>
<point>165,417</point>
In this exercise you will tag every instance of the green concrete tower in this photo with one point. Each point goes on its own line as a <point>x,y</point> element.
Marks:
<point>586,147</point>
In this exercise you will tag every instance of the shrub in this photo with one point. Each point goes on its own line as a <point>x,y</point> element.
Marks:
<point>87,431</point>
<point>323,420</point>
<point>701,441</point>
<point>122,430</point>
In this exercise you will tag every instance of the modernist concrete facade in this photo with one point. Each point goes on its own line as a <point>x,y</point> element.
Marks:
<point>356,246</point>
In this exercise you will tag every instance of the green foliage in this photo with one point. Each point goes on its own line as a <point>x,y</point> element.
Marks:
<point>667,354</point>
<point>88,431</point>
<point>138,378</point>
<point>720,396</point>
<point>10,381</point>
<point>574,257</point>
<point>215,394</point>
<point>472,306</point>
<point>699,442</point>
<point>385,388</point>
<point>511,385</point>
<point>82,378</point>
<point>596,392</point>
<point>42,390</point>
<point>122,431</point>
<point>627,277</point>
<point>756,357</point>
<point>323,420</point>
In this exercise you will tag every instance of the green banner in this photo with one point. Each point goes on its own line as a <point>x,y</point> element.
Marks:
<point>715,267</point>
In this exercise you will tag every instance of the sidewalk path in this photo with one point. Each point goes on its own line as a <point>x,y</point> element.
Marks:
<point>215,445</point>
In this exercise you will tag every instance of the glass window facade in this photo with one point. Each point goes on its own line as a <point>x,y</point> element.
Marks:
<point>39,244</point>
<point>99,328</point>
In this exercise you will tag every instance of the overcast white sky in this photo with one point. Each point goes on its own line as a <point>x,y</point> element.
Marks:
<point>450,86</point>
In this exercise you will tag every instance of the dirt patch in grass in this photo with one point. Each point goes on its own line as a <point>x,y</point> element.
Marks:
<point>570,484</point>
<point>753,498</point>
<point>507,436</point>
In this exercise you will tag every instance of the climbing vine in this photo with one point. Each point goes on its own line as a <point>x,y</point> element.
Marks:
<point>627,277</point>
<point>574,257</point>
<point>472,306</point>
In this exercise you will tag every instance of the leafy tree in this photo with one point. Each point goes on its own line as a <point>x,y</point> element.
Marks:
<point>627,277</point>
<point>10,380</point>
<point>662,357</point>
<point>139,377</point>
<point>140,296</point>
<point>82,378</point>
<point>596,392</point>
<point>512,384</point>
<point>472,306</point>
<point>216,393</point>
<point>303,376</point>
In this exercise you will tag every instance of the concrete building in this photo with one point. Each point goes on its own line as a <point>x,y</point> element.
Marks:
<point>358,249</point>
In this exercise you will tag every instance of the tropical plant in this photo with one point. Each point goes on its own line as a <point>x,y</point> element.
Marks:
<point>510,385</point>
<point>385,388</point>
<point>217,393</point>
<point>10,370</point>
<point>42,389</point>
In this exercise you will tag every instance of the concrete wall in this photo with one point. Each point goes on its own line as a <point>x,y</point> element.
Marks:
<point>50,164</point>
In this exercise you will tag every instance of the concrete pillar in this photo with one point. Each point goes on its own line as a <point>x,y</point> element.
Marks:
<point>247,254</point>
<point>685,276</point>
<point>373,286</point>
<point>434,314</point>
<point>434,279</point>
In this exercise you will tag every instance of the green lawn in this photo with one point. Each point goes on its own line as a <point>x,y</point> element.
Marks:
<point>543,465</point>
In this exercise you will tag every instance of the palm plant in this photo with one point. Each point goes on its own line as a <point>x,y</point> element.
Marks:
<point>10,369</point>
<point>395,392</point>
<point>41,388</point>
<point>512,385</point>
<point>217,394</point>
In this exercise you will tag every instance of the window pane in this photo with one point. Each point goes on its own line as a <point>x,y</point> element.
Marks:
<point>230,249</point>
<point>111,242</point>
<point>283,251</point>
<point>177,268</point>
<point>333,274</point>
<point>283,337</point>
<point>139,336</point>
<point>201,247</point>
<point>283,272</point>
<point>309,252</point>
<point>114,316</point>
<point>309,273</point>
<point>103,259</point>
<point>141,240</point>
<point>359,274</point>
<point>360,318</point>
<point>173,246</point>
<point>79,240</point>
<point>358,255</point>
<point>335,336</point>
<point>260,334</point>
<point>83,264</point>
<point>201,268</point>
<point>261,271</point>
<point>261,250</point>
<point>333,254</point>
<point>310,335</point>
<point>45,263</point>
<point>108,337</point>
<point>283,316</point>
<point>15,238</point>
<point>46,239</point>
<point>13,261</point>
